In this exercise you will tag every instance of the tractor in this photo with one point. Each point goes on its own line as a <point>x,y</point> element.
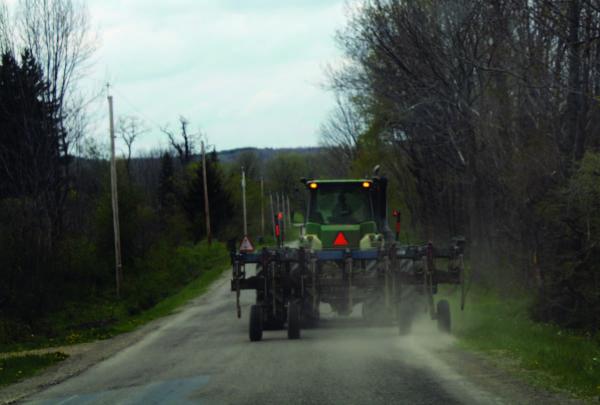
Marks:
<point>346,255</point>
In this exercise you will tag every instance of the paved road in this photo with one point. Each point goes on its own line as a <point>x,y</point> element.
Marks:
<point>203,355</point>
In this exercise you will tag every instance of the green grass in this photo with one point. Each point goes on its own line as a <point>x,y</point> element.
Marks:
<point>14,369</point>
<point>167,280</point>
<point>170,304</point>
<point>545,354</point>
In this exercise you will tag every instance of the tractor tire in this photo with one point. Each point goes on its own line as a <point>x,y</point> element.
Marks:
<point>256,323</point>
<point>293,321</point>
<point>443,316</point>
<point>405,318</point>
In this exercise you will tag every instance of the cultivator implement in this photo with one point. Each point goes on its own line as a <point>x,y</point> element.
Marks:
<point>290,283</point>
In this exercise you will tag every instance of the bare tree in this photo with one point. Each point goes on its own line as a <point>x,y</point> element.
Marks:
<point>129,128</point>
<point>6,34</point>
<point>340,133</point>
<point>184,143</point>
<point>59,35</point>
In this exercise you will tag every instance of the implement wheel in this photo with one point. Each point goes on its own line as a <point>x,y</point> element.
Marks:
<point>293,321</point>
<point>443,316</point>
<point>256,323</point>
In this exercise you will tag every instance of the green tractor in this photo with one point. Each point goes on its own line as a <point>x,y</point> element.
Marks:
<point>347,215</point>
<point>347,255</point>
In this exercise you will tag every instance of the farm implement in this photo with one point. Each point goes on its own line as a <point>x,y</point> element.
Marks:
<point>347,255</point>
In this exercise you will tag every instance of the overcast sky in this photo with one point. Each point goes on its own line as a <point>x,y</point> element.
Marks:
<point>245,72</point>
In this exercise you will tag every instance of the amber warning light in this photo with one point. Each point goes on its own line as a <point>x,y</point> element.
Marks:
<point>313,186</point>
<point>366,184</point>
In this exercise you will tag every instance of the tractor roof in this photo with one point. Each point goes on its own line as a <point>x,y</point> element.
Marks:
<point>336,181</point>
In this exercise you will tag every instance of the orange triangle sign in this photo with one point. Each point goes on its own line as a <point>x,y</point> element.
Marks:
<point>246,246</point>
<point>340,240</point>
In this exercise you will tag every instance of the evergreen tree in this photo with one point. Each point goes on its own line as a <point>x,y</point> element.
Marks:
<point>29,135</point>
<point>166,186</point>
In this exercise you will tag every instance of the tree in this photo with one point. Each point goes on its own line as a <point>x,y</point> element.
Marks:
<point>339,135</point>
<point>166,187</point>
<point>184,143</point>
<point>129,128</point>
<point>58,34</point>
<point>251,163</point>
<point>221,205</point>
<point>31,181</point>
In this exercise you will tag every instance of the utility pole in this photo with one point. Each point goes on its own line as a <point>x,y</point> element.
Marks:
<point>244,201</point>
<point>206,207</point>
<point>262,207</point>
<point>272,216</point>
<point>289,212</point>
<point>280,208</point>
<point>114,197</point>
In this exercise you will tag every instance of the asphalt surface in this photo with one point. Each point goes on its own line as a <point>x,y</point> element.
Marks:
<point>202,355</point>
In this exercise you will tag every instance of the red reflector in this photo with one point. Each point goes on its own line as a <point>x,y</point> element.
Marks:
<point>340,240</point>
<point>277,231</point>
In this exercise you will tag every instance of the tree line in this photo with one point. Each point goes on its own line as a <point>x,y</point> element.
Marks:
<point>485,115</point>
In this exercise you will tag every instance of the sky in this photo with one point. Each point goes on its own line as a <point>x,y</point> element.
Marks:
<point>243,72</point>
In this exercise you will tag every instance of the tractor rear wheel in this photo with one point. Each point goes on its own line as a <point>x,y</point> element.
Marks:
<point>293,320</point>
<point>256,323</point>
<point>443,316</point>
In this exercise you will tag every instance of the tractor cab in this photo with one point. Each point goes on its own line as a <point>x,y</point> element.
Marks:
<point>345,214</point>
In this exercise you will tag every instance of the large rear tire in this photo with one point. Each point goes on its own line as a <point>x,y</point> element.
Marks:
<point>443,316</point>
<point>256,323</point>
<point>293,321</point>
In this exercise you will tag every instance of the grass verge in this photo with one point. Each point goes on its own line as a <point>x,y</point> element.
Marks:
<point>544,354</point>
<point>171,303</point>
<point>16,368</point>
<point>170,279</point>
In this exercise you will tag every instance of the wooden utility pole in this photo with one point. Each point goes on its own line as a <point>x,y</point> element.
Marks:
<point>244,201</point>
<point>115,198</point>
<point>206,207</point>
<point>262,207</point>
<point>289,212</point>
<point>272,216</point>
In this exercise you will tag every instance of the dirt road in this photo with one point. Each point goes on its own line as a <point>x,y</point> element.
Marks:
<point>202,355</point>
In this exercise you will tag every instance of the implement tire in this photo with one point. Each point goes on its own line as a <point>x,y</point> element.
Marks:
<point>443,316</point>
<point>293,320</point>
<point>256,323</point>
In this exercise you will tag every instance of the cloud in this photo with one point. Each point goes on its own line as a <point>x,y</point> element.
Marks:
<point>247,72</point>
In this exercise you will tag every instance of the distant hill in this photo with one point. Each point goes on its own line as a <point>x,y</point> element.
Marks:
<point>264,153</point>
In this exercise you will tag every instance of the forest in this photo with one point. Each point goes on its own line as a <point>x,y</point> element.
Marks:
<point>485,116</point>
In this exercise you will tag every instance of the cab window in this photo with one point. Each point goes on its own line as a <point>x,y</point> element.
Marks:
<point>340,204</point>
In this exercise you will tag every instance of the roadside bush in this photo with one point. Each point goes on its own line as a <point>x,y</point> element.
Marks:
<point>166,269</point>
